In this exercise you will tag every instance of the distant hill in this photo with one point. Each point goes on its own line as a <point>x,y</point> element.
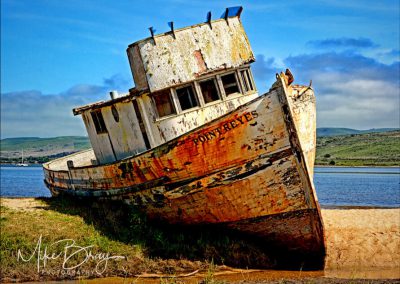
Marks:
<point>334,131</point>
<point>37,147</point>
<point>366,149</point>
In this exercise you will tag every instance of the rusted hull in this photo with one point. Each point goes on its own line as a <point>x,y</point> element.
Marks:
<point>295,238</point>
<point>246,170</point>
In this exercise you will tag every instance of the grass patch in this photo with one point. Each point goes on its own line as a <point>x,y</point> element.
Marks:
<point>25,231</point>
<point>371,149</point>
<point>117,229</point>
<point>45,144</point>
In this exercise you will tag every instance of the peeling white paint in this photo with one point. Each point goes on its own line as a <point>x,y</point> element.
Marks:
<point>194,51</point>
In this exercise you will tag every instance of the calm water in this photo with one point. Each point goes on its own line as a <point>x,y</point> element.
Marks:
<point>23,181</point>
<point>358,186</point>
<point>335,186</point>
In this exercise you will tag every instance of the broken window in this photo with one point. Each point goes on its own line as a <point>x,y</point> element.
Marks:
<point>115,113</point>
<point>246,79</point>
<point>187,97</point>
<point>209,90</point>
<point>164,103</point>
<point>98,121</point>
<point>230,83</point>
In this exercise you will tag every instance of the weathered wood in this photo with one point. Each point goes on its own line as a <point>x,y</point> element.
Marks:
<point>302,104</point>
<point>194,51</point>
<point>232,139</point>
<point>231,157</point>
<point>244,165</point>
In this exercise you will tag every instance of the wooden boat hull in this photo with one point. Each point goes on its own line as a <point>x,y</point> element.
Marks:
<point>248,170</point>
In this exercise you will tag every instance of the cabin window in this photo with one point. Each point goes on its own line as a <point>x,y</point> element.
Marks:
<point>98,121</point>
<point>230,84</point>
<point>209,90</point>
<point>164,104</point>
<point>187,97</point>
<point>246,79</point>
<point>115,113</point>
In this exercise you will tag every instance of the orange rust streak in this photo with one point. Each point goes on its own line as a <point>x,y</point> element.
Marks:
<point>238,200</point>
<point>206,152</point>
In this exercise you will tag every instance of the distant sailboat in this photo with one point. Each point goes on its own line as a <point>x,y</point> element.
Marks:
<point>22,164</point>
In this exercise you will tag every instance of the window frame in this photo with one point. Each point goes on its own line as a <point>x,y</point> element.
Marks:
<point>98,121</point>
<point>239,87</point>
<point>248,80</point>
<point>196,97</point>
<point>217,87</point>
<point>167,92</point>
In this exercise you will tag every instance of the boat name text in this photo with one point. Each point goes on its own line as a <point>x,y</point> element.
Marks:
<point>226,127</point>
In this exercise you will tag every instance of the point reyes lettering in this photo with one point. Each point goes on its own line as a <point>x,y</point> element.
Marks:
<point>226,127</point>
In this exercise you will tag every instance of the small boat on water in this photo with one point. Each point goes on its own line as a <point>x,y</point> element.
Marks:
<point>194,143</point>
<point>22,164</point>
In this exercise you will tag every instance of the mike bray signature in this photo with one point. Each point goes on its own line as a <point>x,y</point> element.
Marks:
<point>70,253</point>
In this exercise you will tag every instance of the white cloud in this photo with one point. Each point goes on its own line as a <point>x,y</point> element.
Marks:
<point>32,113</point>
<point>359,104</point>
<point>352,90</point>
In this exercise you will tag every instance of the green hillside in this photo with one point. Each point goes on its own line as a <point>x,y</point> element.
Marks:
<point>335,131</point>
<point>371,149</point>
<point>40,150</point>
<point>35,143</point>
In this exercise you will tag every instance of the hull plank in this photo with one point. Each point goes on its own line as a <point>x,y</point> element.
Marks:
<point>293,237</point>
<point>261,193</point>
<point>302,103</point>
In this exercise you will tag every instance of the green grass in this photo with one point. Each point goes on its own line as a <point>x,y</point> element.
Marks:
<point>114,227</point>
<point>21,231</point>
<point>372,149</point>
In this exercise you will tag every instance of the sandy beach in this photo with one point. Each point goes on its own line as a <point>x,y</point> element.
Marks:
<point>361,243</point>
<point>362,240</point>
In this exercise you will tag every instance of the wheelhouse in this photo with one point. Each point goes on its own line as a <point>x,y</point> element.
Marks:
<point>183,79</point>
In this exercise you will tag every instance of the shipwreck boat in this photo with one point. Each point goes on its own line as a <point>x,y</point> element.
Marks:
<point>194,143</point>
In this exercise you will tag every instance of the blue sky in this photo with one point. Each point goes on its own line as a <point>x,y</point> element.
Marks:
<point>56,55</point>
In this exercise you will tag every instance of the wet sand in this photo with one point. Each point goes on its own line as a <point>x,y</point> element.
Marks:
<point>361,244</point>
